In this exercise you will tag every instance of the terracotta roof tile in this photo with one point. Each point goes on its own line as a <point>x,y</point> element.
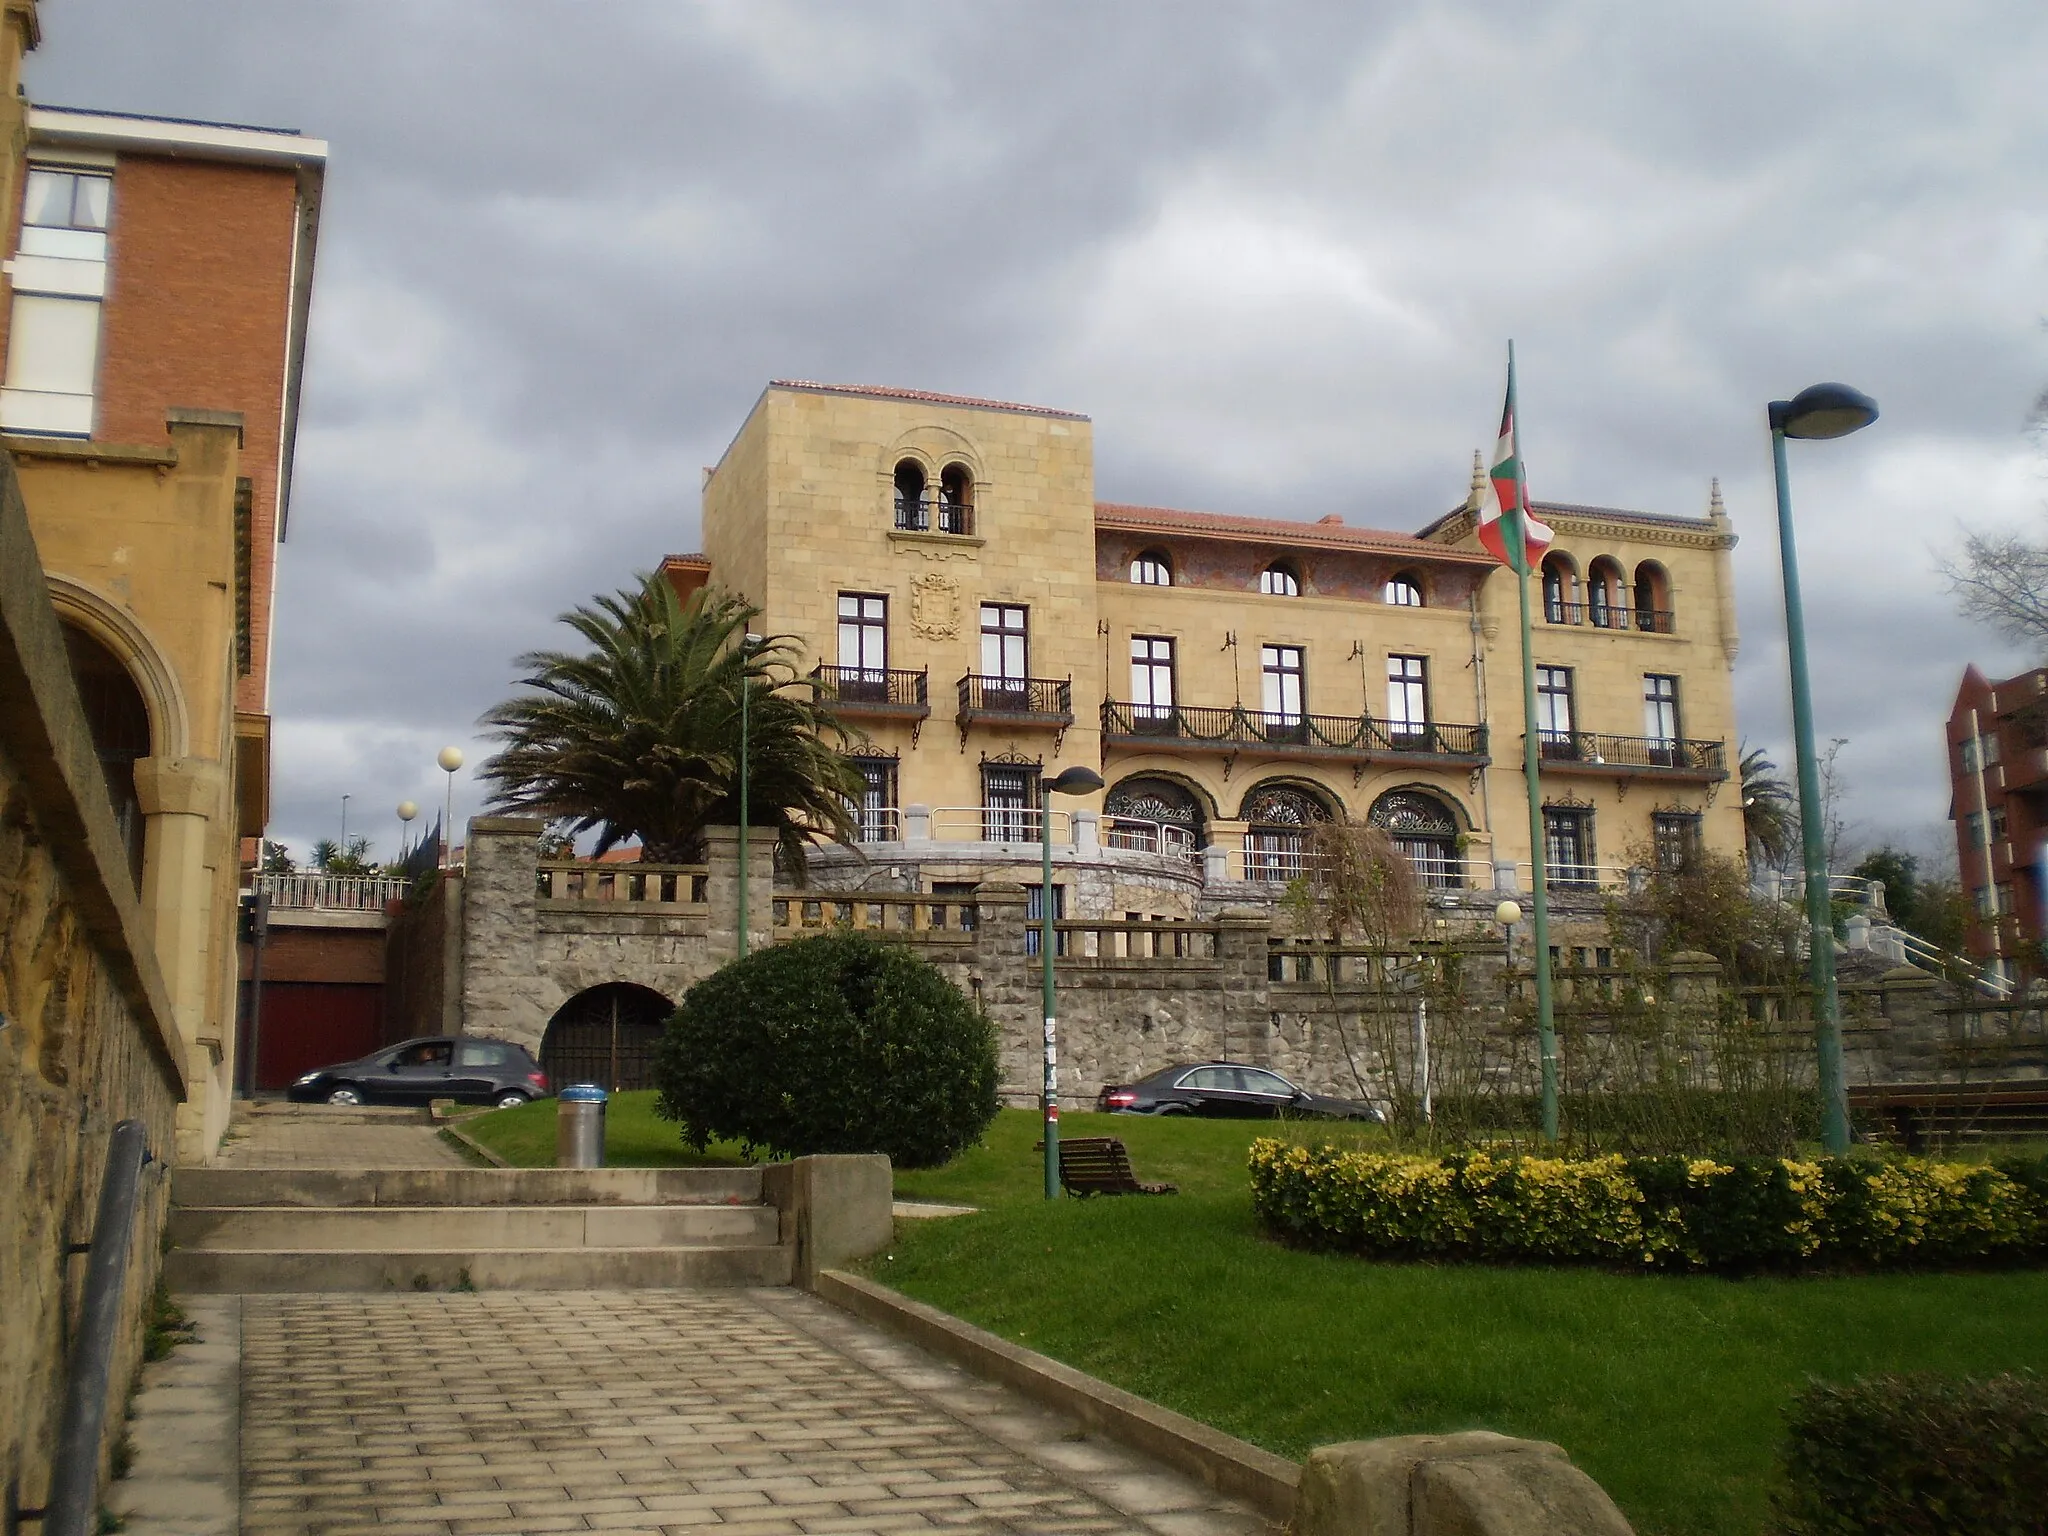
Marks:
<point>926,397</point>
<point>1326,534</point>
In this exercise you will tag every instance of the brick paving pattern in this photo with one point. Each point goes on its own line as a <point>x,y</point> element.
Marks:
<point>315,1136</point>
<point>754,1413</point>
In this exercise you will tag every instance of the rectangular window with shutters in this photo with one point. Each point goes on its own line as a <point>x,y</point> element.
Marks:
<point>60,276</point>
<point>1675,835</point>
<point>863,647</point>
<point>874,812</point>
<point>1005,646</point>
<point>1152,681</point>
<point>1009,796</point>
<point>1407,696</point>
<point>1034,914</point>
<point>1554,712</point>
<point>1660,717</point>
<point>1280,672</point>
<point>1568,846</point>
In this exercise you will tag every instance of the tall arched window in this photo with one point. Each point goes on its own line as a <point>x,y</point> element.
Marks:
<point>1425,831</point>
<point>1653,598</point>
<point>1152,569</point>
<point>913,512</point>
<point>1607,594</point>
<point>1153,815</point>
<point>1404,591</point>
<point>956,499</point>
<point>1560,589</point>
<point>1276,839</point>
<point>1279,580</point>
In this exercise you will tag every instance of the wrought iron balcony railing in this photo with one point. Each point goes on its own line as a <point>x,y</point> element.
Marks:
<point>1655,621</point>
<point>1234,727</point>
<point>922,514</point>
<point>873,691</point>
<point>1595,753</point>
<point>1030,700</point>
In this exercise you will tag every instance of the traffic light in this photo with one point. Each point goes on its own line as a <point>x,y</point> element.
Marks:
<point>254,924</point>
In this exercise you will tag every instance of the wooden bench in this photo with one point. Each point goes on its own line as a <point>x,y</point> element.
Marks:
<point>1099,1165</point>
<point>1912,1114</point>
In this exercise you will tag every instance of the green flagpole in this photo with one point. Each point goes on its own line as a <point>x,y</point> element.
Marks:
<point>1518,557</point>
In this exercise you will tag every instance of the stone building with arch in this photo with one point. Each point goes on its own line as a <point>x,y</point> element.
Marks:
<point>981,620</point>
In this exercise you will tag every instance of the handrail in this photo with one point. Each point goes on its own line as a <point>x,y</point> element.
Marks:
<point>1233,726</point>
<point>75,1475</point>
<point>313,891</point>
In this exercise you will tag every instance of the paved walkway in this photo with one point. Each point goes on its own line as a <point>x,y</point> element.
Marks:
<point>325,1136</point>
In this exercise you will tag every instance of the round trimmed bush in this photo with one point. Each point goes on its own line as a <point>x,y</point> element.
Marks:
<point>839,1043</point>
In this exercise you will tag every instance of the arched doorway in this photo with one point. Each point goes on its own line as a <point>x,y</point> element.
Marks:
<point>118,718</point>
<point>1425,830</point>
<point>1153,815</point>
<point>605,1035</point>
<point>1279,817</point>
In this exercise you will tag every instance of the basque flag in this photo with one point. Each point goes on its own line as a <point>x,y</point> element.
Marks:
<point>1505,491</point>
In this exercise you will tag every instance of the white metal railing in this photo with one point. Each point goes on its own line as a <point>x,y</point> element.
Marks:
<point>881,824</point>
<point>998,824</point>
<point>1134,834</point>
<point>331,893</point>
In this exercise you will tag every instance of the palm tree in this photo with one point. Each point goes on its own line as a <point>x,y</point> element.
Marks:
<point>1768,822</point>
<point>638,735</point>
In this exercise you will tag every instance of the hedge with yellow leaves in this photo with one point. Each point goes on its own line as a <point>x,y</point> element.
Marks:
<point>1659,1212</point>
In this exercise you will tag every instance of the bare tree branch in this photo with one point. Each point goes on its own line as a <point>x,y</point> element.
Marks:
<point>2002,580</point>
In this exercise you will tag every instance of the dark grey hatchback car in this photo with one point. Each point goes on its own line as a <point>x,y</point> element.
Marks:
<point>466,1068</point>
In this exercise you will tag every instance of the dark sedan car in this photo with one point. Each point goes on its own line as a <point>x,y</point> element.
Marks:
<point>1226,1090</point>
<point>466,1068</point>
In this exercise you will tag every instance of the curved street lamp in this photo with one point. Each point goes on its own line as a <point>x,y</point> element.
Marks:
<point>1075,781</point>
<point>1822,411</point>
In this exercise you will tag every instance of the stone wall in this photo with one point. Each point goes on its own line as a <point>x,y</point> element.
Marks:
<point>86,1030</point>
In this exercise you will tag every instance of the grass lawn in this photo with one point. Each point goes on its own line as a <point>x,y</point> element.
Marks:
<point>1668,1390</point>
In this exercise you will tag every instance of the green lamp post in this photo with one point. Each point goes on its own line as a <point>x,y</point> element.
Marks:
<point>750,647</point>
<point>1825,410</point>
<point>1075,781</point>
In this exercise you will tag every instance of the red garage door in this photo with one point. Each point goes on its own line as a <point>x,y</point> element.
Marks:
<point>308,1024</point>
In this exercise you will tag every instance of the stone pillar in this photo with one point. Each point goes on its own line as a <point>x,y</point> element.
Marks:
<point>500,984</point>
<point>1229,836</point>
<point>917,823</point>
<point>1087,834</point>
<point>722,890</point>
<point>181,798</point>
<point>1245,949</point>
<point>1506,878</point>
<point>1215,864</point>
<point>1011,987</point>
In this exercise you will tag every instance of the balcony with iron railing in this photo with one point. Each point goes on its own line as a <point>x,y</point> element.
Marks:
<point>927,514</point>
<point>1649,621</point>
<point>315,892</point>
<point>875,693</point>
<point>1603,756</point>
<point>1043,701</point>
<point>1351,738</point>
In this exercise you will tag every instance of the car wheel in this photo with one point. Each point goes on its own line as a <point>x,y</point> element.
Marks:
<point>510,1100</point>
<point>345,1095</point>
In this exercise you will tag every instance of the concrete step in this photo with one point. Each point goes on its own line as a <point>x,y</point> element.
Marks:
<point>403,1229</point>
<point>327,1188</point>
<point>204,1271</point>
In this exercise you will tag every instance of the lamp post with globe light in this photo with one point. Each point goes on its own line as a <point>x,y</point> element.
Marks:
<point>1823,411</point>
<point>450,760</point>
<point>1075,781</point>
<point>406,811</point>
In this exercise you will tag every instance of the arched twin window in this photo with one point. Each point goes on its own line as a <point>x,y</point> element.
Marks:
<point>1279,580</point>
<point>1152,569</point>
<point>918,512</point>
<point>1404,591</point>
<point>1560,589</point>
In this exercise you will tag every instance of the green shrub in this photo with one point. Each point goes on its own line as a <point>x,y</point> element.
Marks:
<point>1905,1455</point>
<point>838,1043</point>
<point>1737,1215</point>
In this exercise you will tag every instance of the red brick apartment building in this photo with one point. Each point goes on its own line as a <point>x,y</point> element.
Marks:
<point>153,312</point>
<point>1998,778</point>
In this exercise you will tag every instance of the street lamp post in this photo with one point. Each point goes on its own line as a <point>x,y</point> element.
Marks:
<point>750,646</point>
<point>344,825</point>
<point>450,760</point>
<point>1825,410</point>
<point>1075,781</point>
<point>406,811</point>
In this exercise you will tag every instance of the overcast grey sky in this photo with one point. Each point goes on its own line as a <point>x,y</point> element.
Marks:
<point>1273,250</point>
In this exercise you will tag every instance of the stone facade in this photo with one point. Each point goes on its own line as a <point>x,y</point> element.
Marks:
<point>87,1031</point>
<point>803,512</point>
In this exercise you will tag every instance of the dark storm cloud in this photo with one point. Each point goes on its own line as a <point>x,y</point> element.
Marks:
<point>1274,251</point>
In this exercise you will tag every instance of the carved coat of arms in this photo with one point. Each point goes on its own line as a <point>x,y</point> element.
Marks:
<point>935,606</point>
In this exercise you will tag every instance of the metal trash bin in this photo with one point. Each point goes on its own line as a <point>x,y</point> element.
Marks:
<point>579,1126</point>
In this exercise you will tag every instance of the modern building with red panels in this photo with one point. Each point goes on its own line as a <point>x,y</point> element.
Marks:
<point>1998,776</point>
